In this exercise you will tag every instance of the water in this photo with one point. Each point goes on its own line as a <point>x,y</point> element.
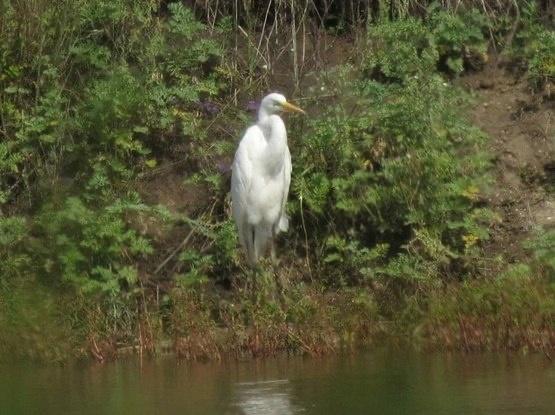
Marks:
<point>391,382</point>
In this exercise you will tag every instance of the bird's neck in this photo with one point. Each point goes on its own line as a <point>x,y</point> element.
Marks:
<point>262,114</point>
<point>276,138</point>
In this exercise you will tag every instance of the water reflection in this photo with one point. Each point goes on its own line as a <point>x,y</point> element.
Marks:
<point>271,397</point>
<point>390,382</point>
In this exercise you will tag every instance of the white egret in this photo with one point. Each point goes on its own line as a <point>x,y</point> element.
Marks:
<point>261,175</point>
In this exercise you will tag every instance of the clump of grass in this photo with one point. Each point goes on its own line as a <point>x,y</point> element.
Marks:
<point>36,325</point>
<point>542,247</point>
<point>257,321</point>
<point>513,311</point>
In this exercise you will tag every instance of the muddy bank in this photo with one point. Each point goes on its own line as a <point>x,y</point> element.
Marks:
<point>520,124</point>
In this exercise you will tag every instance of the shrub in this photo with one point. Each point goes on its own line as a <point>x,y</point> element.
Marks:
<point>541,69</point>
<point>411,47</point>
<point>534,47</point>
<point>13,259</point>
<point>82,114</point>
<point>542,246</point>
<point>91,248</point>
<point>459,38</point>
<point>396,171</point>
<point>400,49</point>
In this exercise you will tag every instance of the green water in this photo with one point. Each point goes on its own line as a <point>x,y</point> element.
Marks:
<point>391,382</point>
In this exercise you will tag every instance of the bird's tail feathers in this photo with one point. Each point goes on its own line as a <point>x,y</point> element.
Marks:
<point>283,224</point>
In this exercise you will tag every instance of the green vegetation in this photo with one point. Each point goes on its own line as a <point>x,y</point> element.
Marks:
<point>99,99</point>
<point>541,246</point>
<point>534,48</point>
<point>394,178</point>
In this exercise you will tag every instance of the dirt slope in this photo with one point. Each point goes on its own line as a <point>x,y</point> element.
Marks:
<point>520,124</point>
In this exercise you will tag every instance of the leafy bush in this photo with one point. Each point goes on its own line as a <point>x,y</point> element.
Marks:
<point>542,245</point>
<point>196,266</point>
<point>400,49</point>
<point>395,171</point>
<point>13,234</point>
<point>534,47</point>
<point>459,38</point>
<point>409,47</point>
<point>90,248</point>
<point>82,114</point>
<point>542,64</point>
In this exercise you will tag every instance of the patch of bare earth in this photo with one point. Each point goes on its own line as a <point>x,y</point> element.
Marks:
<point>520,125</point>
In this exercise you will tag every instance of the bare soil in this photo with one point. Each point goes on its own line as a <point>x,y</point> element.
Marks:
<point>520,125</point>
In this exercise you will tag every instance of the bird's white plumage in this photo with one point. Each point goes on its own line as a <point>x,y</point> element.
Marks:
<point>261,176</point>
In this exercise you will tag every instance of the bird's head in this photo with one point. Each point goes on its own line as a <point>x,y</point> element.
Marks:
<point>276,104</point>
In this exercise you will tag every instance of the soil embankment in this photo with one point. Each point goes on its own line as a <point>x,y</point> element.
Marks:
<point>520,125</point>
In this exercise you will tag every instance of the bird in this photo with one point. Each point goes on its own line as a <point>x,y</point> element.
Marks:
<point>260,179</point>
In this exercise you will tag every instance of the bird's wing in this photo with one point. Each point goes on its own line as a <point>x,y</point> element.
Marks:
<point>241,177</point>
<point>284,219</point>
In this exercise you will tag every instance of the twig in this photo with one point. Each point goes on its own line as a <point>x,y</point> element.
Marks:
<point>511,35</point>
<point>264,24</point>
<point>294,39</point>
<point>96,352</point>
<point>253,45</point>
<point>174,252</point>
<point>305,237</point>
<point>195,224</point>
<point>298,338</point>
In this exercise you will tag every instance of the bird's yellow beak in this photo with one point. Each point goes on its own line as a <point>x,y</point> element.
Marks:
<point>291,108</point>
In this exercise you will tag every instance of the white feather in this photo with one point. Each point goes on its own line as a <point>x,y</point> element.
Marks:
<point>261,176</point>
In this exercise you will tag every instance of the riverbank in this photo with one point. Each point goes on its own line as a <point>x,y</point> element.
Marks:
<point>513,311</point>
<point>422,201</point>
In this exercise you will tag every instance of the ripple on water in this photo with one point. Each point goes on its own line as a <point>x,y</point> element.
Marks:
<point>269,397</point>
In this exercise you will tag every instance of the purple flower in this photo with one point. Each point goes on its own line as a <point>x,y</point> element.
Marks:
<point>224,166</point>
<point>252,106</point>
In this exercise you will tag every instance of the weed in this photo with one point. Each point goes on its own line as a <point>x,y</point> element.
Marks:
<point>534,48</point>
<point>542,246</point>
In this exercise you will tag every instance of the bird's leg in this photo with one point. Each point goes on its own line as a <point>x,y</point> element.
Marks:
<point>253,252</point>
<point>273,255</point>
<point>273,251</point>
<point>250,246</point>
